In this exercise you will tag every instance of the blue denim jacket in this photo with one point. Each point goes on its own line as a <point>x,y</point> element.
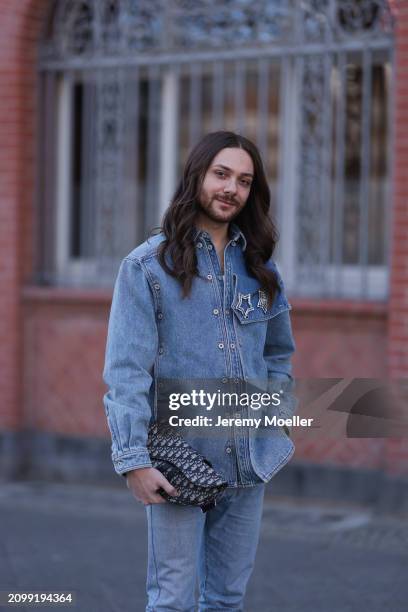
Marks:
<point>216,333</point>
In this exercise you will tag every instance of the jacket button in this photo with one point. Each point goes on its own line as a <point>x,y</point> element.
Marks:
<point>156,286</point>
<point>161,350</point>
<point>160,315</point>
<point>199,245</point>
<point>228,450</point>
<point>221,345</point>
<point>233,243</point>
<point>232,345</point>
<point>210,247</point>
<point>224,380</point>
<point>216,311</point>
<point>209,276</point>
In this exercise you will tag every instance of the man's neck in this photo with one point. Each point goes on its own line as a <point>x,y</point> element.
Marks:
<point>217,231</point>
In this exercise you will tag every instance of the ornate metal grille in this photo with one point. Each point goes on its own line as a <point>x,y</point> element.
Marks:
<point>128,86</point>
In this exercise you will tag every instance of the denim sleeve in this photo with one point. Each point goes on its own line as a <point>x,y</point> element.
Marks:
<point>279,347</point>
<point>129,361</point>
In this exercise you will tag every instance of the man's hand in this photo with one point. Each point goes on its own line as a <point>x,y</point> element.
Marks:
<point>144,484</point>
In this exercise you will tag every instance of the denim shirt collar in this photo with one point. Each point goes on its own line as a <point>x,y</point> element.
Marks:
<point>234,233</point>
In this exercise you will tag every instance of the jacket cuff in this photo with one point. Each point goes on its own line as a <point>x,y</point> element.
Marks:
<point>133,460</point>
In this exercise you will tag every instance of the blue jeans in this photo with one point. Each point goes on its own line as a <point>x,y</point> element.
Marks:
<point>218,547</point>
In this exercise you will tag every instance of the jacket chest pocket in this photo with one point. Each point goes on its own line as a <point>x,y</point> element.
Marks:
<point>250,303</point>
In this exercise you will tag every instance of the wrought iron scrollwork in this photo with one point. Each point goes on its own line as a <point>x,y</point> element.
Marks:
<point>112,27</point>
<point>364,16</point>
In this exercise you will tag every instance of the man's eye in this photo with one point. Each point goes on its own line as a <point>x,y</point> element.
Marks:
<point>222,174</point>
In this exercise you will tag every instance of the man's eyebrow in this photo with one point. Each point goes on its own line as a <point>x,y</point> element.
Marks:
<point>226,168</point>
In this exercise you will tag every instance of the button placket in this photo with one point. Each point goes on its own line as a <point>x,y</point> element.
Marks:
<point>236,444</point>
<point>239,441</point>
<point>217,311</point>
<point>229,323</point>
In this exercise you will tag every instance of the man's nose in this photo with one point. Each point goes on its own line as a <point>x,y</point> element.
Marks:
<point>230,186</point>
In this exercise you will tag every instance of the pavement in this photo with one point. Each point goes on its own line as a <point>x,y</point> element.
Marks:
<point>91,540</point>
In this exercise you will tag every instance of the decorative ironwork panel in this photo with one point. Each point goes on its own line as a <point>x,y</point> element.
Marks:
<point>83,28</point>
<point>229,23</point>
<point>331,20</point>
<point>108,160</point>
<point>342,193</point>
<point>89,28</point>
<point>364,16</point>
<point>313,167</point>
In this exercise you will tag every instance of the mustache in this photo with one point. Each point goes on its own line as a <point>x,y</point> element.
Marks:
<point>226,200</point>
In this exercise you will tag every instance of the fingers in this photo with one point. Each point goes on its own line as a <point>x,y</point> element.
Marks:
<point>153,498</point>
<point>156,499</point>
<point>149,496</point>
<point>164,483</point>
<point>145,486</point>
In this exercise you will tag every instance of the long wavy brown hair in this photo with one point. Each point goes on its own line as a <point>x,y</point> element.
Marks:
<point>177,253</point>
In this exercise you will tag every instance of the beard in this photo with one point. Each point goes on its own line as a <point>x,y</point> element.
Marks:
<point>216,211</point>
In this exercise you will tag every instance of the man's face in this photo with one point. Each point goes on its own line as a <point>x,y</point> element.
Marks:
<point>226,185</point>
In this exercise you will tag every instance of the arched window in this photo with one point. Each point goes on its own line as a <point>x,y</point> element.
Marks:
<point>129,86</point>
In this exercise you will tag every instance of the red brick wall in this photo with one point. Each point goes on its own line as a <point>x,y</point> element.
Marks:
<point>397,450</point>
<point>64,349</point>
<point>340,339</point>
<point>398,304</point>
<point>20,22</point>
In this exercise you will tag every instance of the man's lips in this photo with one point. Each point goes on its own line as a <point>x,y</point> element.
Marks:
<point>227,202</point>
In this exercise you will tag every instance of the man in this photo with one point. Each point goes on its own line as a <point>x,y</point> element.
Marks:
<point>202,300</point>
